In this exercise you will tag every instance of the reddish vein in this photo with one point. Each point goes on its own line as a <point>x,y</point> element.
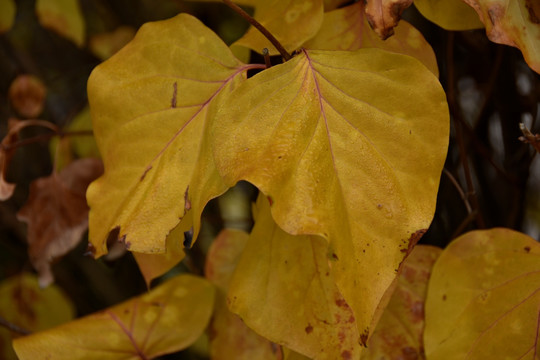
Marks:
<point>128,334</point>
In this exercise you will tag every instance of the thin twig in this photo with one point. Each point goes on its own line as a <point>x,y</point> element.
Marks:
<point>266,58</point>
<point>459,190</point>
<point>529,138</point>
<point>286,56</point>
<point>12,327</point>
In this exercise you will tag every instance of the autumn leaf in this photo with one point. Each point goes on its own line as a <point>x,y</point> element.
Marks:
<point>348,29</point>
<point>292,23</point>
<point>453,15</point>
<point>151,105</point>
<point>27,95</point>
<point>399,333</point>
<point>333,4</point>
<point>105,45</point>
<point>512,22</point>
<point>283,289</point>
<point>63,17</point>
<point>349,146</point>
<point>230,338</point>
<point>8,10</point>
<point>167,319</point>
<point>57,214</point>
<point>483,298</point>
<point>26,305</point>
<point>384,15</point>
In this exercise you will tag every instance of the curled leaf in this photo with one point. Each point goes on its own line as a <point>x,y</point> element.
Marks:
<point>483,298</point>
<point>384,15</point>
<point>167,319</point>
<point>57,214</point>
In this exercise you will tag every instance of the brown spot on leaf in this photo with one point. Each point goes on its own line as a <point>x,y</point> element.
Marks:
<point>417,310</point>
<point>444,297</point>
<point>342,303</point>
<point>364,337</point>
<point>175,91</point>
<point>187,202</point>
<point>527,249</point>
<point>309,329</point>
<point>409,353</point>
<point>533,7</point>
<point>334,256</point>
<point>346,355</point>
<point>270,200</point>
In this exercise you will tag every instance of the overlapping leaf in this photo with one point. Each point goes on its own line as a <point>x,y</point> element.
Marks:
<point>449,14</point>
<point>349,146</point>
<point>64,17</point>
<point>230,338</point>
<point>292,22</point>
<point>284,289</point>
<point>384,15</point>
<point>484,298</point>
<point>151,106</point>
<point>348,29</point>
<point>167,319</point>
<point>27,306</point>
<point>399,333</point>
<point>513,22</point>
<point>7,15</point>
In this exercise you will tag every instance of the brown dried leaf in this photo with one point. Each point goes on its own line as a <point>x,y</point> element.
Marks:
<point>27,95</point>
<point>384,15</point>
<point>57,214</point>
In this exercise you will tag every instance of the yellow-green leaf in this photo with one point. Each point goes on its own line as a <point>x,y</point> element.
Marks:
<point>105,45</point>
<point>283,289</point>
<point>151,105</point>
<point>349,146</point>
<point>483,298</point>
<point>399,333</point>
<point>292,22</point>
<point>449,14</point>
<point>348,29</point>
<point>64,17</point>
<point>8,10</point>
<point>26,305</point>
<point>230,338</point>
<point>513,22</point>
<point>167,319</point>
<point>384,15</point>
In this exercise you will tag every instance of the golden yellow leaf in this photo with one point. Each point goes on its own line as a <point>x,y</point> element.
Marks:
<point>292,22</point>
<point>399,333</point>
<point>167,319</point>
<point>151,106</point>
<point>483,298</point>
<point>349,146</point>
<point>26,305</point>
<point>230,338</point>
<point>384,15</point>
<point>513,22</point>
<point>64,17</point>
<point>8,9</point>
<point>449,14</point>
<point>348,29</point>
<point>283,289</point>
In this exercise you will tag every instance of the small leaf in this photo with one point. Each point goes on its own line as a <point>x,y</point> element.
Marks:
<point>64,17</point>
<point>399,333</point>
<point>292,22</point>
<point>151,106</point>
<point>483,298</point>
<point>230,338</point>
<point>57,214</point>
<point>8,10</point>
<point>283,289</point>
<point>453,15</point>
<point>167,319</point>
<point>384,15</point>
<point>27,95</point>
<point>349,146</point>
<point>512,22</point>
<point>347,29</point>
<point>24,304</point>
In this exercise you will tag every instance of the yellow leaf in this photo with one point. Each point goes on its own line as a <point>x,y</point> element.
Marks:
<point>284,289</point>
<point>64,17</point>
<point>8,10</point>
<point>292,22</point>
<point>348,29</point>
<point>25,304</point>
<point>399,333</point>
<point>513,22</point>
<point>449,14</point>
<point>349,146</point>
<point>483,298</point>
<point>230,338</point>
<point>384,15</point>
<point>151,105</point>
<point>167,319</point>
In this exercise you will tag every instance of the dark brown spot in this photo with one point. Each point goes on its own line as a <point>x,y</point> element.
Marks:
<point>327,274</point>
<point>527,249</point>
<point>346,355</point>
<point>351,319</point>
<point>342,303</point>
<point>335,256</point>
<point>444,297</point>
<point>309,329</point>
<point>175,91</point>
<point>145,172</point>
<point>533,7</point>
<point>126,311</point>
<point>270,200</point>
<point>286,262</point>
<point>279,157</point>
<point>187,202</point>
<point>409,353</point>
<point>364,337</point>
